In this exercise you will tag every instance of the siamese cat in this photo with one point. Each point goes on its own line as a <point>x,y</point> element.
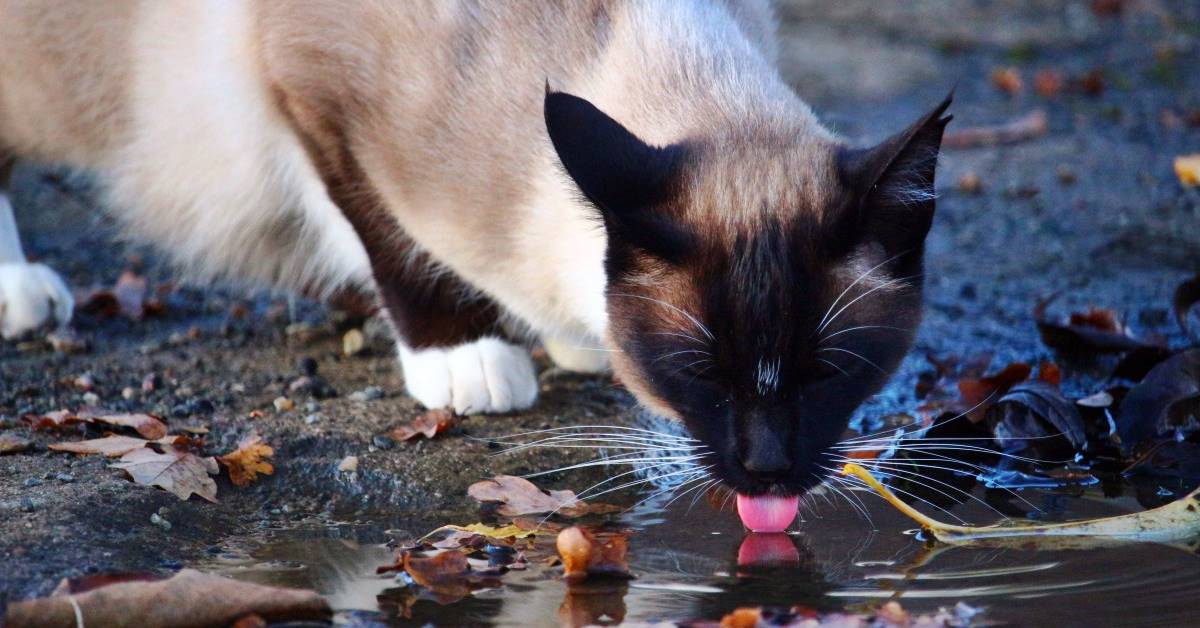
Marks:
<point>629,181</point>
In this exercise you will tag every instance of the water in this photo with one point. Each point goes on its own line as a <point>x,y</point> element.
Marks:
<point>693,562</point>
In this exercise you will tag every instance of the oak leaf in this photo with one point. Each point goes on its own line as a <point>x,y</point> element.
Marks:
<point>178,472</point>
<point>112,445</point>
<point>429,424</point>
<point>518,496</point>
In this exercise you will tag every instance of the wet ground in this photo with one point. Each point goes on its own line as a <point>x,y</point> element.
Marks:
<point>1091,208</point>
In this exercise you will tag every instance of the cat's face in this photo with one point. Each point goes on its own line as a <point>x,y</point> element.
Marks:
<point>756,292</point>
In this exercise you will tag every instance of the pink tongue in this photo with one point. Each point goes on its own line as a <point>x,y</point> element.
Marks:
<point>767,513</point>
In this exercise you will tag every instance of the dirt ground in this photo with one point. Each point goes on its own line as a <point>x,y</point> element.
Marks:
<point>1092,208</point>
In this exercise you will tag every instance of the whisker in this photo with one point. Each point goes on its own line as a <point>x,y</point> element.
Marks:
<point>910,475</point>
<point>857,328</point>
<point>684,352</point>
<point>821,325</point>
<point>862,296</point>
<point>691,318</point>
<point>859,356</point>
<point>589,427</point>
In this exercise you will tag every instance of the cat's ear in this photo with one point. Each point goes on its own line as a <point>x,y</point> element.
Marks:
<point>626,179</point>
<point>892,184</point>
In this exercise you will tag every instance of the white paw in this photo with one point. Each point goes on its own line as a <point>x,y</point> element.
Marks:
<point>581,357</point>
<point>31,296</point>
<point>487,376</point>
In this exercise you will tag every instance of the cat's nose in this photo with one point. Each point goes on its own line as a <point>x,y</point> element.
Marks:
<point>766,457</point>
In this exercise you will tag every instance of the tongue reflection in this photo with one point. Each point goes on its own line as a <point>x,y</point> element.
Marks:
<point>767,513</point>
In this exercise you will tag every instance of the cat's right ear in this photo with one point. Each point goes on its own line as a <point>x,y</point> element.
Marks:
<point>628,180</point>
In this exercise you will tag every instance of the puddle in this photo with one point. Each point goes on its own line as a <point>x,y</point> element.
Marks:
<point>693,562</point>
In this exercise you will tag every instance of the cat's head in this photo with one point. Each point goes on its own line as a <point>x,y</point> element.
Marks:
<point>759,289</point>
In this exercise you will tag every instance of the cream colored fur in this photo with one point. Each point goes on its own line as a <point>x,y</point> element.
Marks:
<point>175,104</point>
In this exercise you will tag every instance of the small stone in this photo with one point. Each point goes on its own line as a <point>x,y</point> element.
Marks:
<point>27,505</point>
<point>369,393</point>
<point>151,382</point>
<point>312,418</point>
<point>311,406</point>
<point>91,399</point>
<point>184,391</point>
<point>349,464</point>
<point>353,342</point>
<point>85,382</point>
<point>1065,175</point>
<point>159,521</point>
<point>65,478</point>
<point>128,393</point>
<point>383,442</point>
<point>307,366</point>
<point>10,444</point>
<point>31,482</point>
<point>283,404</point>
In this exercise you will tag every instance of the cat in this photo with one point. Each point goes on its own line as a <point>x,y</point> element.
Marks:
<point>628,181</point>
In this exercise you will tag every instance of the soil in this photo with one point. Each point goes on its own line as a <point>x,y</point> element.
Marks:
<point>1091,209</point>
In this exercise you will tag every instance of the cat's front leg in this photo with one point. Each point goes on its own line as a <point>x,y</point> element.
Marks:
<point>32,295</point>
<point>452,348</point>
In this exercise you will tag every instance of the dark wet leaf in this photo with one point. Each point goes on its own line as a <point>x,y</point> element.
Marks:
<point>1136,364</point>
<point>1187,295</point>
<point>1092,332</point>
<point>585,552</point>
<point>979,394</point>
<point>1168,399</point>
<point>1175,459</point>
<point>1031,415</point>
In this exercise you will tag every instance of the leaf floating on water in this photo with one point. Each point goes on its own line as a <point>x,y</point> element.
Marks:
<point>247,461</point>
<point>189,598</point>
<point>518,496</point>
<point>178,472</point>
<point>1176,521</point>
<point>586,553</point>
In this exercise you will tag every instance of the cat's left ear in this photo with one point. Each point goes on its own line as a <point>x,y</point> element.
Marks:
<point>892,184</point>
<point>626,179</point>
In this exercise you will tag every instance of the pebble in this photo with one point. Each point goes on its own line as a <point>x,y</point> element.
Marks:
<point>369,393</point>
<point>311,406</point>
<point>312,418</point>
<point>91,398</point>
<point>159,521</point>
<point>128,393</point>
<point>85,382</point>
<point>151,382</point>
<point>65,478</point>
<point>27,505</point>
<point>383,442</point>
<point>31,482</point>
<point>349,464</point>
<point>307,366</point>
<point>353,342</point>
<point>283,404</point>
<point>67,341</point>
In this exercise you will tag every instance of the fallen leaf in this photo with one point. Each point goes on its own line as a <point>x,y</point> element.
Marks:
<point>466,535</point>
<point>130,292</point>
<point>1176,521</point>
<point>1168,399</point>
<point>1187,295</point>
<point>148,425</point>
<point>248,460</point>
<point>1187,168</point>
<point>1029,126</point>
<point>979,394</point>
<point>518,496</point>
<point>1031,414</point>
<point>189,598</point>
<point>178,472</point>
<point>127,297</point>
<point>1008,80</point>
<point>1048,83</point>
<point>10,444</point>
<point>112,445</point>
<point>585,553</point>
<point>429,424</point>
<point>1095,331</point>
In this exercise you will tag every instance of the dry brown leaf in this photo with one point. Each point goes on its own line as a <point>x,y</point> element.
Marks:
<point>248,460</point>
<point>1008,80</point>
<point>519,496</point>
<point>189,598</point>
<point>148,425</point>
<point>179,472</point>
<point>429,424</point>
<point>585,553</point>
<point>10,444</point>
<point>112,445</point>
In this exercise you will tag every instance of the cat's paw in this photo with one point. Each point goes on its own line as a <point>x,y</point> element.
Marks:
<point>32,296</point>
<point>487,376</point>
<point>577,356</point>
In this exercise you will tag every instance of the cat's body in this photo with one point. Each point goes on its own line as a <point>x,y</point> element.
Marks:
<point>403,147</point>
